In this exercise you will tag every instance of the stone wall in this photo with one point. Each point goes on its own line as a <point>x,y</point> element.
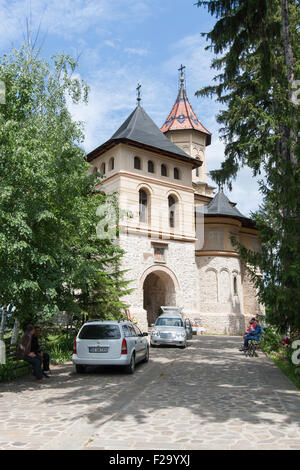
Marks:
<point>221,308</point>
<point>252,307</point>
<point>179,265</point>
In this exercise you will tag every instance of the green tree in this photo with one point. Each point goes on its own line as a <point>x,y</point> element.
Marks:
<point>256,43</point>
<point>49,249</point>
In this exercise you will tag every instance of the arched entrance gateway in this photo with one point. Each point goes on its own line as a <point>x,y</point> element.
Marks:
<point>159,288</point>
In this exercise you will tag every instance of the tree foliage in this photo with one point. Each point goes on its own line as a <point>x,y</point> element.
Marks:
<point>51,259</point>
<point>257,48</point>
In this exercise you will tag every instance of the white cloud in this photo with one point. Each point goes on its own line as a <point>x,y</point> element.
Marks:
<point>110,44</point>
<point>67,18</point>
<point>136,51</point>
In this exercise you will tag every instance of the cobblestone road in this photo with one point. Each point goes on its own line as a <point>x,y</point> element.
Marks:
<point>208,396</point>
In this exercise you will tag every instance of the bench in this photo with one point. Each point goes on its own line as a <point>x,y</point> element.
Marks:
<point>253,346</point>
<point>13,364</point>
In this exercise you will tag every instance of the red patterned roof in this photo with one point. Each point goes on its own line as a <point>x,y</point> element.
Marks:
<point>183,116</point>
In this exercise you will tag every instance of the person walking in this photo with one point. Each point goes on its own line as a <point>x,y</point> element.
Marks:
<point>24,352</point>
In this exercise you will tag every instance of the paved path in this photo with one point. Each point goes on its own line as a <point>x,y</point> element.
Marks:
<point>198,398</point>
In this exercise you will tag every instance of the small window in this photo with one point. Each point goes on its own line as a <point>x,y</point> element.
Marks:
<point>150,167</point>
<point>111,164</point>
<point>176,174</point>
<point>126,331</point>
<point>235,287</point>
<point>197,172</point>
<point>143,206</point>
<point>137,330</point>
<point>132,330</point>
<point>172,209</point>
<point>137,163</point>
<point>95,170</point>
<point>164,170</point>
<point>102,169</point>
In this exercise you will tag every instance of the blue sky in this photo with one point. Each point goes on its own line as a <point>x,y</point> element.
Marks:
<point>121,43</point>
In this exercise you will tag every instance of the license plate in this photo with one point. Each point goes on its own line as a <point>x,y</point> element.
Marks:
<point>98,349</point>
<point>166,335</point>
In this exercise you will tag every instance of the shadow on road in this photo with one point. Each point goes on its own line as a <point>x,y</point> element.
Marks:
<point>211,379</point>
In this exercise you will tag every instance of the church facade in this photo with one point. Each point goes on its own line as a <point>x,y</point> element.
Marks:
<point>176,234</point>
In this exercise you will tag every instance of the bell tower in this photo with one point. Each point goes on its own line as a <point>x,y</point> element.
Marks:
<point>185,130</point>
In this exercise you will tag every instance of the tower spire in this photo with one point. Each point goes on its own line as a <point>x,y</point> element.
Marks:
<point>139,99</point>
<point>182,75</point>
<point>182,115</point>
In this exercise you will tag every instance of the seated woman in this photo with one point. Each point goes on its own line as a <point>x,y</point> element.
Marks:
<point>255,335</point>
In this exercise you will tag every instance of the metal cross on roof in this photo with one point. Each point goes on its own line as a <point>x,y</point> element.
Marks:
<point>139,93</point>
<point>181,69</point>
<point>182,76</point>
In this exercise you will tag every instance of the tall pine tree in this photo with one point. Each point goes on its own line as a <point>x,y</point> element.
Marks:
<point>257,45</point>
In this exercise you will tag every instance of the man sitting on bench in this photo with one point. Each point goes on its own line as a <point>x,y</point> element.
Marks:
<point>24,352</point>
<point>35,348</point>
<point>254,335</point>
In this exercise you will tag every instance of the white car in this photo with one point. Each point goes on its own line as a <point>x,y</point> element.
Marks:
<point>110,343</point>
<point>169,329</point>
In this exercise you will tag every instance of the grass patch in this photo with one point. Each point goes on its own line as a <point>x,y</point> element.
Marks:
<point>60,348</point>
<point>286,368</point>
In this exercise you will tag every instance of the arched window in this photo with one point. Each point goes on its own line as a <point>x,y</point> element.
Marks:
<point>235,286</point>
<point>197,169</point>
<point>102,169</point>
<point>137,163</point>
<point>172,211</point>
<point>150,167</point>
<point>143,206</point>
<point>111,164</point>
<point>176,174</point>
<point>164,170</point>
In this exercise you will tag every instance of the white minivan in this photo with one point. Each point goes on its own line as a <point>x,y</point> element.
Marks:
<point>118,343</point>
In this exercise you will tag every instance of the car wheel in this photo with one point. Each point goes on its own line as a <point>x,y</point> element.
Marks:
<point>80,369</point>
<point>183,347</point>
<point>146,358</point>
<point>131,366</point>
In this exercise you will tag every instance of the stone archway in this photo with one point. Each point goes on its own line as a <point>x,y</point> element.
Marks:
<point>159,289</point>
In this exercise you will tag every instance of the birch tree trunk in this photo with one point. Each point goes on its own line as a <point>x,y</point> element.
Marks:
<point>15,333</point>
<point>2,328</point>
<point>3,321</point>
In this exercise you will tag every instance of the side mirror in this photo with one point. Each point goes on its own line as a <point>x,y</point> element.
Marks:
<point>152,324</point>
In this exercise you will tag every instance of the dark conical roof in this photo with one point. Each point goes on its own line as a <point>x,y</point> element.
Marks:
<point>139,127</point>
<point>220,206</point>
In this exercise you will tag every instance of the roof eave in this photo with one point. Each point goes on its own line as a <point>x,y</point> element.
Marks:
<point>207,134</point>
<point>113,142</point>
<point>246,222</point>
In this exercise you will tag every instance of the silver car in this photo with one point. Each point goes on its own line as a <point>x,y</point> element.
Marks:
<point>169,329</point>
<point>110,343</point>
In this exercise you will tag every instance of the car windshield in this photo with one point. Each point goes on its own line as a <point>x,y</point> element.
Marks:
<point>100,332</point>
<point>169,322</point>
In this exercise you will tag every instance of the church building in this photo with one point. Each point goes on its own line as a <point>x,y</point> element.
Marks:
<point>177,238</point>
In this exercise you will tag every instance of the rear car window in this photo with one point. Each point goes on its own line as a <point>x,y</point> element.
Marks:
<point>132,330</point>
<point>100,332</point>
<point>126,331</point>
